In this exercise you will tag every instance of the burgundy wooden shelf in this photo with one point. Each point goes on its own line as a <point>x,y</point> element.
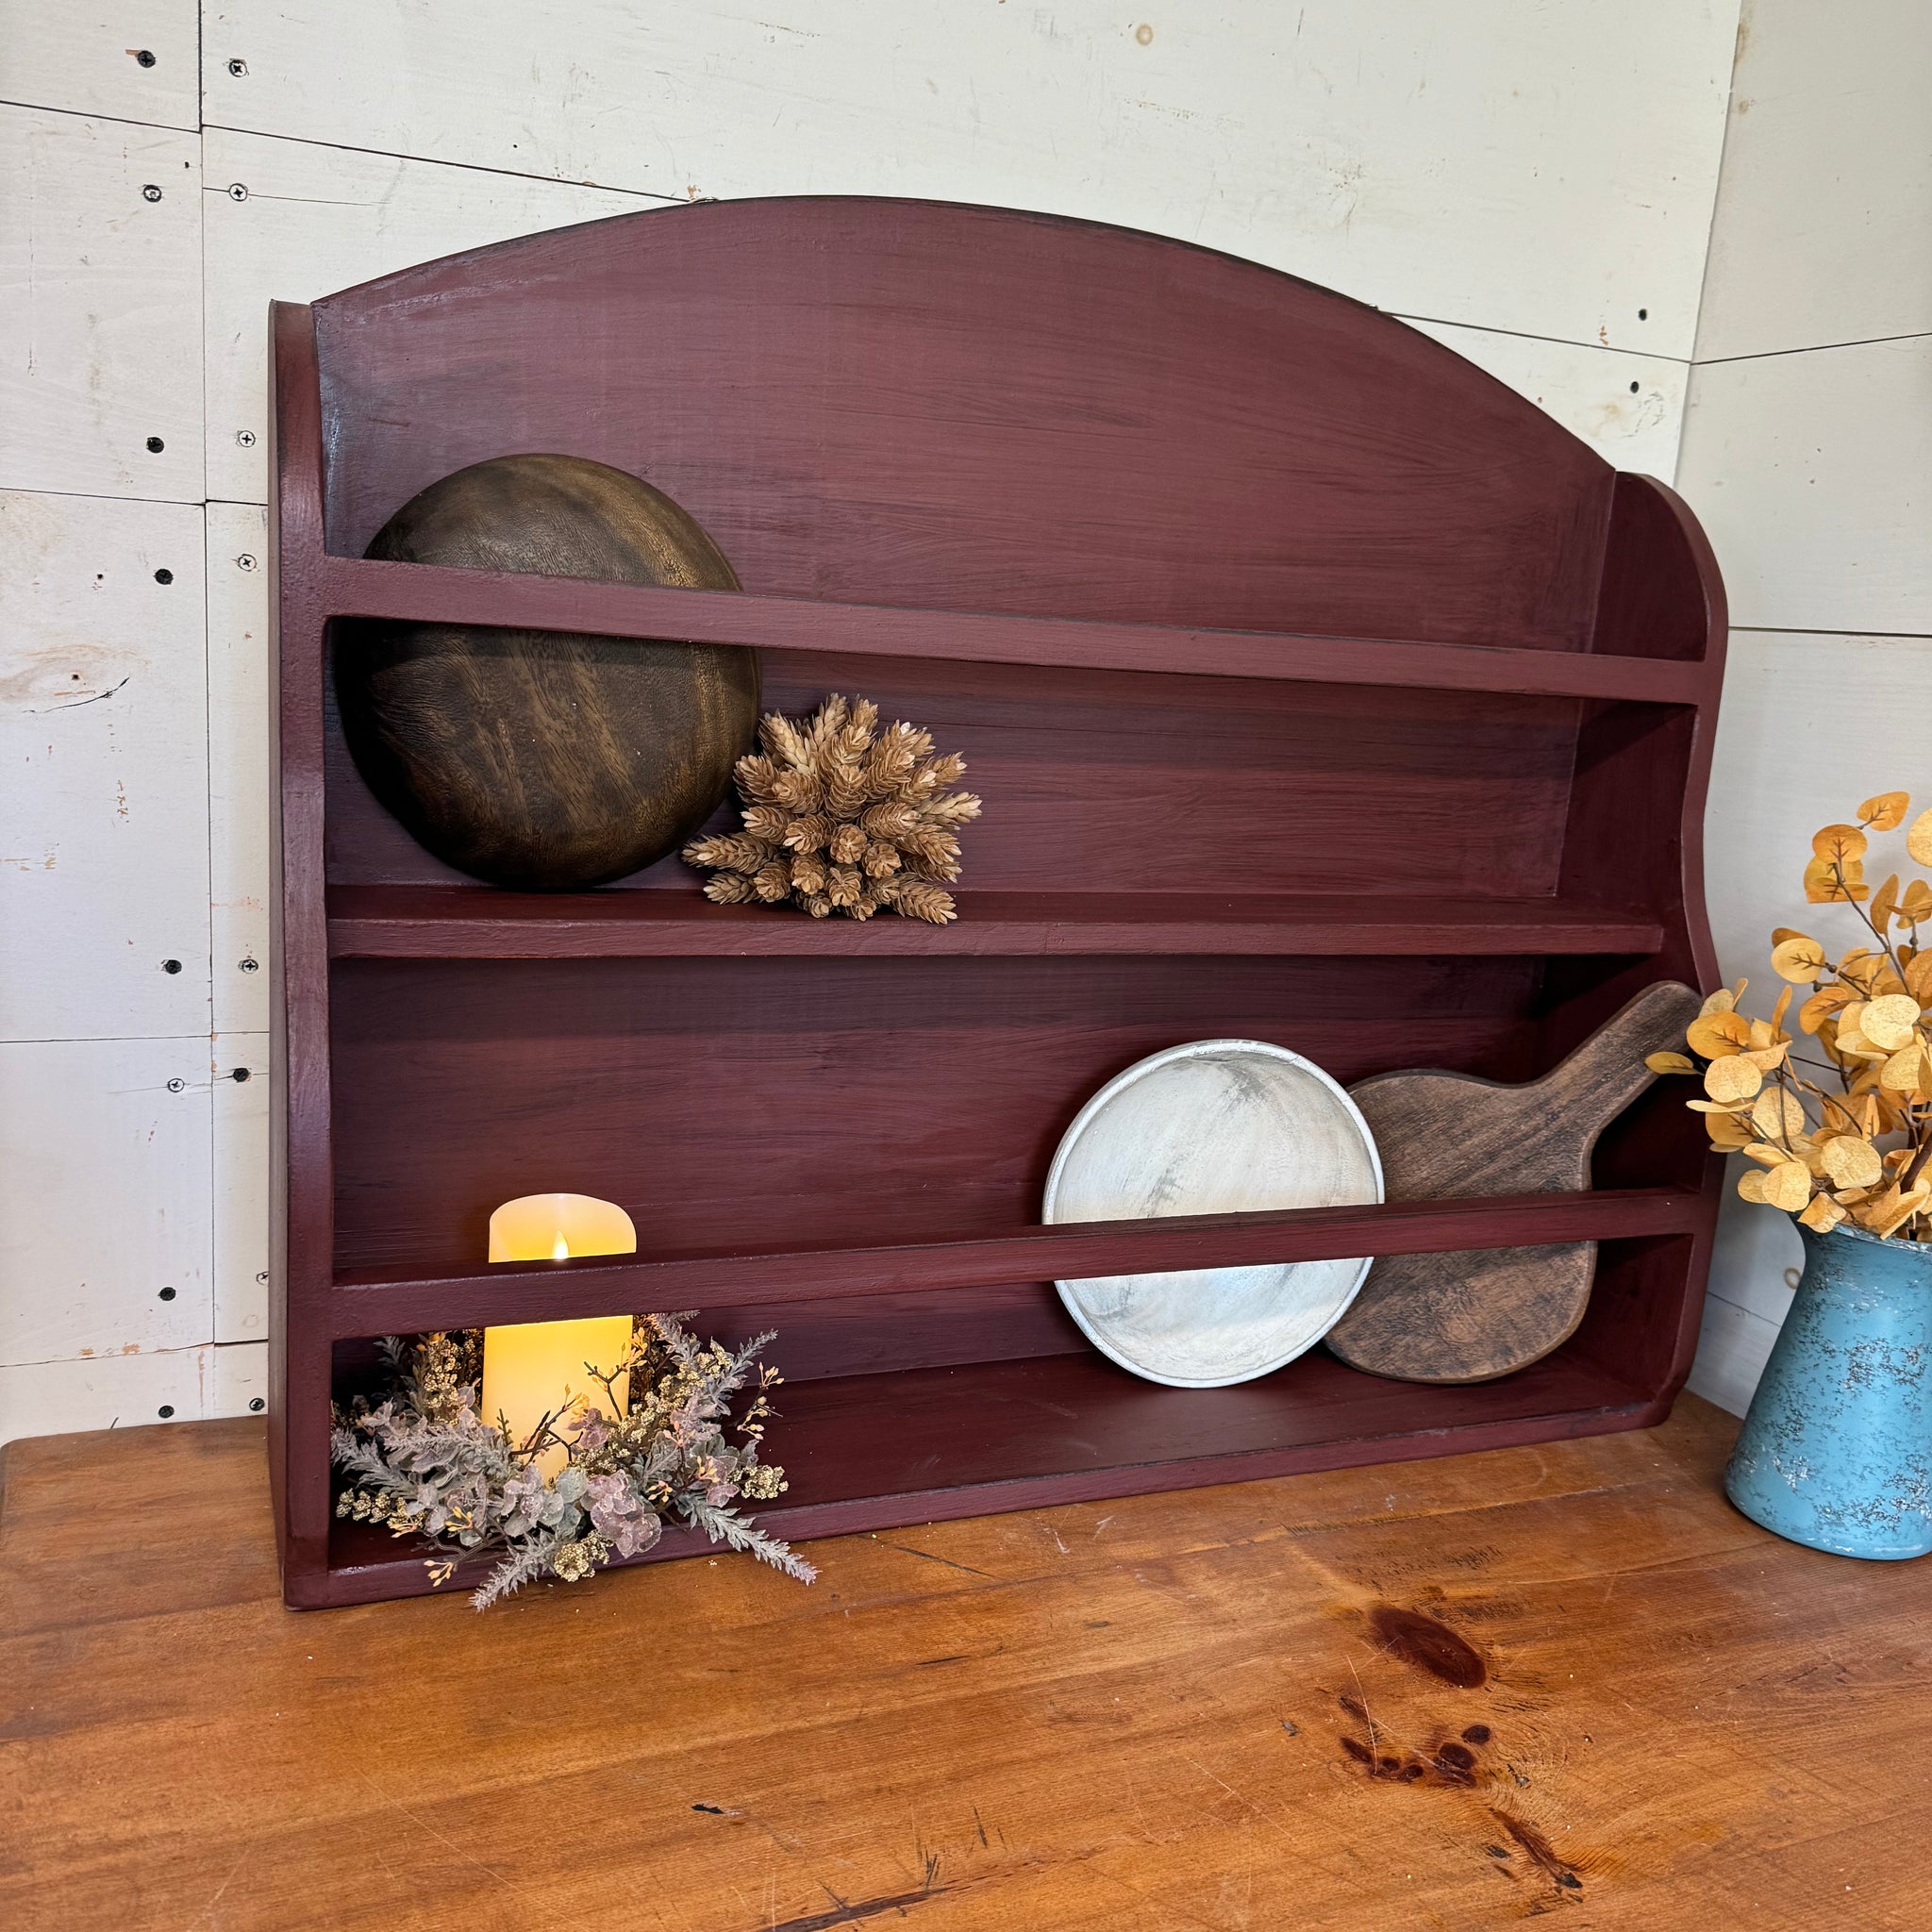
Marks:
<point>371,1302</point>
<point>357,586</point>
<point>472,923</point>
<point>1074,1429</point>
<point>1321,690</point>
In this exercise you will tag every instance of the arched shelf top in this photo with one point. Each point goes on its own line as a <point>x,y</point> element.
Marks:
<point>912,403</point>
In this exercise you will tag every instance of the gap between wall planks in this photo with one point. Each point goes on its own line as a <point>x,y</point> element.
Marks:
<point>1598,591</point>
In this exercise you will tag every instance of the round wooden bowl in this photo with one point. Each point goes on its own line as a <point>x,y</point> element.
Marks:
<point>546,760</point>
<point>1217,1126</point>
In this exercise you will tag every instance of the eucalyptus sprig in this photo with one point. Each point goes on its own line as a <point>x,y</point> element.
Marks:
<point>1859,1152</point>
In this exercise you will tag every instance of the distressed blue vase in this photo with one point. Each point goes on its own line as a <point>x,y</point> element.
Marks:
<point>1837,1450</point>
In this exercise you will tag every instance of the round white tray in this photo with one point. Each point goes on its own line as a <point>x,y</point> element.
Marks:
<point>1217,1126</point>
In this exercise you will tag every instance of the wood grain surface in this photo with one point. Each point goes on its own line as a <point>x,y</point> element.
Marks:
<point>1460,1695</point>
<point>872,400</point>
<point>1468,1317</point>
<point>546,759</point>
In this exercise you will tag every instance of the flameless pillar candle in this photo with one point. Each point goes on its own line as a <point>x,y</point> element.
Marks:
<point>537,1368</point>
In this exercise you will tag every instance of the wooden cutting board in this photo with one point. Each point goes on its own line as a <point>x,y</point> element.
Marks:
<point>1468,1317</point>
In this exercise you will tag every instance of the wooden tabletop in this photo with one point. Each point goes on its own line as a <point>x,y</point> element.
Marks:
<point>1565,1679</point>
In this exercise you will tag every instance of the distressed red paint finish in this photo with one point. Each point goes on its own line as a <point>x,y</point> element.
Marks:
<point>1275,634</point>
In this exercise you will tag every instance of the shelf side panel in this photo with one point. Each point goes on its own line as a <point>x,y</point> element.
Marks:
<point>302,1176</point>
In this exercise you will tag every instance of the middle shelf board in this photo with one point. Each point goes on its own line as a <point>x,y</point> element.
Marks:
<point>394,1302</point>
<point>448,921</point>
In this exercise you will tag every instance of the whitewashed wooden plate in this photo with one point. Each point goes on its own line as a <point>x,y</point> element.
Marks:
<point>1216,1126</point>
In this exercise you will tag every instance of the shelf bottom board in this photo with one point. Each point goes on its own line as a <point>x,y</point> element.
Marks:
<point>876,1452</point>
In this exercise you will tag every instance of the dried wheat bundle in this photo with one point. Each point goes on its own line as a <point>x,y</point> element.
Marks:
<point>842,816</point>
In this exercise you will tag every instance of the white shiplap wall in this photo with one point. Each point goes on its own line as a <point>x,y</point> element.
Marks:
<point>1530,183</point>
<point>1807,452</point>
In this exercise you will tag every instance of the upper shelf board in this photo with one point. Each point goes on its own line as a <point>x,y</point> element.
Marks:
<point>354,587</point>
<point>474,923</point>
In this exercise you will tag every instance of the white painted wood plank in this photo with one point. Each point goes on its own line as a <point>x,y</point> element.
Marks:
<point>103,1198</point>
<point>1824,203</point>
<point>239,763</point>
<point>312,219</point>
<point>1799,742</point>
<point>1731,1352</point>
<point>1812,473</point>
<point>1810,724</point>
<point>87,58</point>
<point>102,750</point>
<point>104,1392</point>
<point>239,1385</point>
<point>1760,1255</point>
<point>1544,169</point>
<point>241,1186</point>
<point>1628,407</point>
<point>100,306</point>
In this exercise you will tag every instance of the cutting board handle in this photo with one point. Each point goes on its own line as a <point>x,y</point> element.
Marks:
<point>1607,1071</point>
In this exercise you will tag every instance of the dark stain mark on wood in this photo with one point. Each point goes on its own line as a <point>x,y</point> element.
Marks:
<point>1427,1645</point>
<point>964,1657</point>
<point>1539,1849</point>
<point>1392,1769</point>
<point>1450,1763</point>
<point>845,1914</point>
<point>1292,1730</point>
<point>906,1550</point>
<point>860,1908</point>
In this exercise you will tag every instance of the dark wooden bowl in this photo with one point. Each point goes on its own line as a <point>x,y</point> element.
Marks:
<point>546,760</point>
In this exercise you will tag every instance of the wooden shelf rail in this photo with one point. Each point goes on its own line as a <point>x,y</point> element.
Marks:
<point>400,1302</point>
<point>356,586</point>
<point>475,922</point>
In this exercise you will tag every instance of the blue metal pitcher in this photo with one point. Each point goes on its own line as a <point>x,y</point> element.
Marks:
<point>1837,1450</point>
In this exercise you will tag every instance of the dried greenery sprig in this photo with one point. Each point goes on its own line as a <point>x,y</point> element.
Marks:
<point>842,816</point>
<point>1859,1153</point>
<point>423,1463</point>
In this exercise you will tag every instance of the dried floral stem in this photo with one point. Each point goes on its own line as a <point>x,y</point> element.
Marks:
<point>842,816</point>
<point>425,1464</point>
<point>1861,1154</point>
